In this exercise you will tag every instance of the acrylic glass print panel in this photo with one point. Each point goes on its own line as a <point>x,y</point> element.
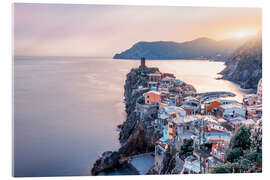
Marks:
<point>131,90</point>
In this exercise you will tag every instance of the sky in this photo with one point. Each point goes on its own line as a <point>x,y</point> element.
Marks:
<point>103,30</point>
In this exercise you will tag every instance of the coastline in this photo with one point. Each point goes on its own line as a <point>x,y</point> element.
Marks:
<point>132,130</point>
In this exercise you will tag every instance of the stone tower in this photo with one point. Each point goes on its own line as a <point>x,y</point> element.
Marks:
<point>142,62</point>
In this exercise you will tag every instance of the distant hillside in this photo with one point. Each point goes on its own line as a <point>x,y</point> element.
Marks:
<point>201,48</point>
<point>245,65</point>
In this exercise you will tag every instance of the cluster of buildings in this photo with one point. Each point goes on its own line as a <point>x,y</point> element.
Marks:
<point>183,116</point>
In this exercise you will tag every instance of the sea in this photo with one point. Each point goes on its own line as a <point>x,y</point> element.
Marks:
<point>66,109</point>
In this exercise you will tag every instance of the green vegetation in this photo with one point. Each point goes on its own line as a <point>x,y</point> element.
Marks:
<point>141,100</point>
<point>241,138</point>
<point>186,149</point>
<point>241,156</point>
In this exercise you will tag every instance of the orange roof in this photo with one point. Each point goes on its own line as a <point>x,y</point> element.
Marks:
<point>212,105</point>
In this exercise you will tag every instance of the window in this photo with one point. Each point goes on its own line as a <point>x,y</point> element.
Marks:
<point>147,101</point>
<point>171,134</point>
<point>187,127</point>
<point>147,96</point>
<point>170,126</point>
<point>258,112</point>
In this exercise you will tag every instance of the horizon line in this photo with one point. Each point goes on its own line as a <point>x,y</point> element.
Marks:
<point>185,41</point>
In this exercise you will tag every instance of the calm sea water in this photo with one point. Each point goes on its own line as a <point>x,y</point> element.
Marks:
<point>66,109</point>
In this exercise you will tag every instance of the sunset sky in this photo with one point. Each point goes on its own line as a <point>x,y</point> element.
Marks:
<point>99,30</point>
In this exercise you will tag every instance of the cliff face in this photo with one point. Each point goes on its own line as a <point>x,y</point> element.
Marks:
<point>136,133</point>
<point>245,65</point>
<point>134,136</point>
<point>135,78</point>
<point>201,48</point>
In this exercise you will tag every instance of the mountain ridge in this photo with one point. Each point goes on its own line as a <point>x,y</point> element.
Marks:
<point>199,48</point>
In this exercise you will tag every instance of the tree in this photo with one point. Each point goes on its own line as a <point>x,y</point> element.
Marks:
<point>244,165</point>
<point>186,149</point>
<point>244,153</point>
<point>234,154</point>
<point>241,138</point>
<point>240,142</point>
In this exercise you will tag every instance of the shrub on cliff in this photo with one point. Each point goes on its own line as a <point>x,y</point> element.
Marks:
<point>141,100</point>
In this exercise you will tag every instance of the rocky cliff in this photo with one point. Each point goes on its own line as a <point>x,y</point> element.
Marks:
<point>245,65</point>
<point>136,134</point>
<point>107,161</point>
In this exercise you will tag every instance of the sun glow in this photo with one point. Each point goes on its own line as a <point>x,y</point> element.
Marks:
<point>241,34</point>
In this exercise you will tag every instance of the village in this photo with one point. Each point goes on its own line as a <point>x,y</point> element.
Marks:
<point>173,129</point>
<point>205,121</point>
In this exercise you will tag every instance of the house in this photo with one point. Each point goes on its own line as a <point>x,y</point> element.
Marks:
<point>218,137</point>
<point>174,112</point>
<point>191,105</point>
<point>164,95</point>
<point>177,89</point>
<point>152,84</point>
<point>152,97</point>
<point>250,99</point>
<point>212,104</point>
<point>191,165</point>
<point>170,75</point>
<point>181,129</point>
<point>167,81</point>
<point>259,91</point>
<point>147,110</point>
<point>216,140</point>
<point>230,110</point>
<point>219,142</point>
<point>204,120</point>
<point>188,89</point>
<point>171,130</point>
<point>178,83</point>
<point>216,127</point>
<point>228,101</point>
<point>254,112</point>
<point>168,112</point>
<point>236,122</point>
<point>154,77</point>
<point>178,100</point>
<point>161,153</point>
<point>209,105</point>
